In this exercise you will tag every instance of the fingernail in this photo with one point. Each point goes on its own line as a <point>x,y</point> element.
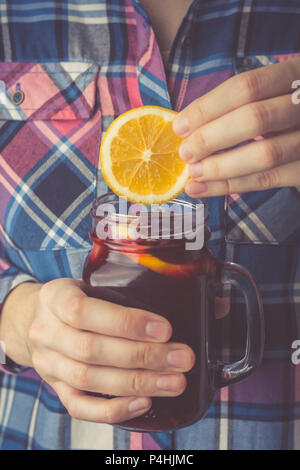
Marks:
<point>185,152</point>
<point>157,329</point>
<point>195,187</point>
<point>138,405</point>
<point>181,126</point>
<point>169,383</point>
<point>178,358</point>
<point>196,170</point>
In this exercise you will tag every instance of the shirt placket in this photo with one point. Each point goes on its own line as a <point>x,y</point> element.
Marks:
<point>169,82</point>
<point>180,59</point>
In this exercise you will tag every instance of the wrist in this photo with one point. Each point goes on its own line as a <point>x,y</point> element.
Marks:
<point>17,315</point>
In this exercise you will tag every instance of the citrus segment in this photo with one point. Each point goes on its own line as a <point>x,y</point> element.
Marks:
<point>122,150</point>
<point>169,162</point>
<point>166,141</point>
<point>151,127</point>
<point>132,134</point>
<point>161,179</point>
<point>124,171</point>
<point>140,183</point>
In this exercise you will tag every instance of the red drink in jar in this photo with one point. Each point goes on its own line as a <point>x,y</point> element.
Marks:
<point>162,276</point>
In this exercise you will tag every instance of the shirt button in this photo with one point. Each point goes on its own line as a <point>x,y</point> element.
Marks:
<point>187,41</point>
<point>18,97</point>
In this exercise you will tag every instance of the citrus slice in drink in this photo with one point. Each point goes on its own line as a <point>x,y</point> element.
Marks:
<point>203,265</point>
<point>139,156</point>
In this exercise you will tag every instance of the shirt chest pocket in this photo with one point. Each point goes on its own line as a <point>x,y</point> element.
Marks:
<point>265,217</point>
<point>50,132</point>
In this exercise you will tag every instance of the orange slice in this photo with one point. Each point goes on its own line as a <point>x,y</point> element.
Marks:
<point>139,156</point>
<point>203,265</point>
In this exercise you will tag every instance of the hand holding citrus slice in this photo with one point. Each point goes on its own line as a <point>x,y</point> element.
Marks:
<point>139,156</point>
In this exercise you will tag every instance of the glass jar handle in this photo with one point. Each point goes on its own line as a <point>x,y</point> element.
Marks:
<point>236,276</point>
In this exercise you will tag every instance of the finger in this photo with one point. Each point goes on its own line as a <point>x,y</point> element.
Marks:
<point>79,311</point>
<point>248,87</point>
<point>100,410</point>
<point>117,352</point>
<point>110,380</point>
<point>241,125</point>
<point>252,158</point>
<point>281,176</point>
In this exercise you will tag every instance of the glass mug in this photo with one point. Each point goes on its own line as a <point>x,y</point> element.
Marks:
<point>160,275</point>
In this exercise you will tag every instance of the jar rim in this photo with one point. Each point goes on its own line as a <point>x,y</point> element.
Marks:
<point>178,200</point>
<point>178,207</point>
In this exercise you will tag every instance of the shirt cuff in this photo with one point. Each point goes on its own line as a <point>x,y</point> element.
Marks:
<point>8,284</point>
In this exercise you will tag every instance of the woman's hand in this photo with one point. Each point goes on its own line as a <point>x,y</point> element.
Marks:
<point>243,108</point>
<point>80,344</point>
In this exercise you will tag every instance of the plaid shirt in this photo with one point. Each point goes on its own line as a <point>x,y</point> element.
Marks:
<point>80,64</point>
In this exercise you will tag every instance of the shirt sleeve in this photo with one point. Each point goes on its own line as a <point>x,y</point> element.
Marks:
<point>10,278</point>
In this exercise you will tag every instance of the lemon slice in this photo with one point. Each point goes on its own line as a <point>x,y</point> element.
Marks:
<point>139,156</point>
